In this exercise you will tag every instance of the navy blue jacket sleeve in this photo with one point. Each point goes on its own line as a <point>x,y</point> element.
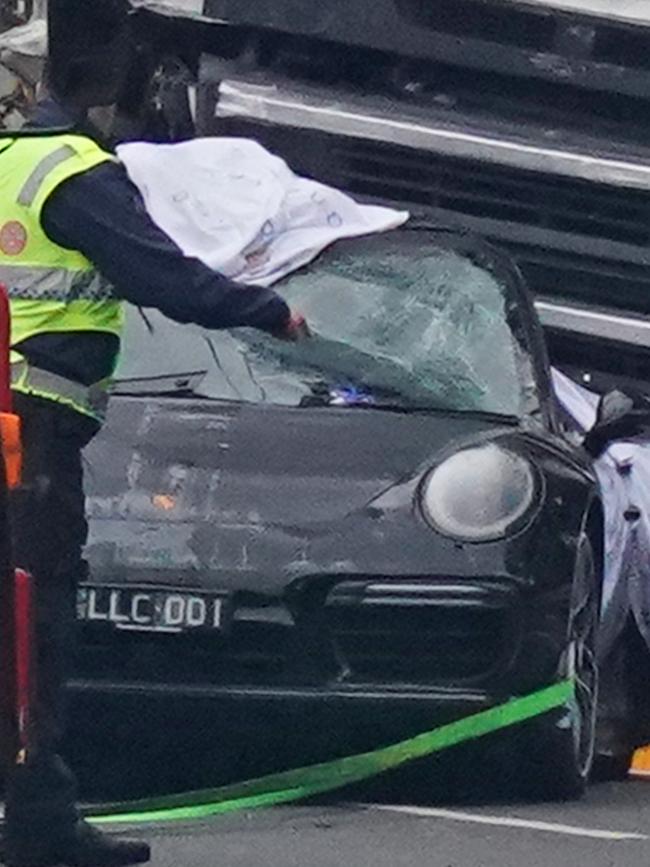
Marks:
<point>102,214</point>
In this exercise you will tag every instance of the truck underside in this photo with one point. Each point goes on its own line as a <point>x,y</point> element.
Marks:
<point>526,121</point>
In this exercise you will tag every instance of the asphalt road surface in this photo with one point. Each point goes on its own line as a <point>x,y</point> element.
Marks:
<point>611,826</point>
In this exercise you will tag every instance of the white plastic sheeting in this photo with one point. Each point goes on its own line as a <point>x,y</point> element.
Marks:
<point>624,476</point>
<point>241,210</point>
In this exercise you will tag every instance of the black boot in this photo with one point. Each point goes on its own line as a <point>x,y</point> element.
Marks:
<point>43,827</point>
<point>85,846</point>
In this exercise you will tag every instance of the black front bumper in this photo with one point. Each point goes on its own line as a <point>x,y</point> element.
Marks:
<point>277,695</point>
<point>437,643</point>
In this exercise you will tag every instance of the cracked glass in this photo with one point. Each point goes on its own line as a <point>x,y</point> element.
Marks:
<point>406,322</point>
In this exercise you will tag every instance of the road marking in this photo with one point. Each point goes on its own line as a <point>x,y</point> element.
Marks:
<point>512,822</point>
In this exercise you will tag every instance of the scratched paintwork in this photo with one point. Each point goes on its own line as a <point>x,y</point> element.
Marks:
<point>280,508</point>
<point>264,496</point>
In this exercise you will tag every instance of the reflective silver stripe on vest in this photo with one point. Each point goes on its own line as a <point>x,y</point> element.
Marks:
<point>54,284</point>
<point>32,185</point>
<point>92,400</point>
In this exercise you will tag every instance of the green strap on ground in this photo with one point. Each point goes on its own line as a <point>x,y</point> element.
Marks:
<point>317,779</point>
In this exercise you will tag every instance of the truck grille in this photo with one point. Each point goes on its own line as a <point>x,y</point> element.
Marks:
<point>492,192</point>
<point>581,241</point>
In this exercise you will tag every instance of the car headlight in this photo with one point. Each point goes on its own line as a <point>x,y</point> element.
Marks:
<point>479,494</point>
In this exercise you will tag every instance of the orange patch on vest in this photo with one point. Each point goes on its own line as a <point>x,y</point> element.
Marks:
<point>13,238</point>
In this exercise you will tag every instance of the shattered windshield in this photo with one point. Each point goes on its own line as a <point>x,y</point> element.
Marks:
<point>409,321</point>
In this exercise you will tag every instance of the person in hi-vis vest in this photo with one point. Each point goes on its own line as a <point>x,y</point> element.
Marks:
<point>75,242</point>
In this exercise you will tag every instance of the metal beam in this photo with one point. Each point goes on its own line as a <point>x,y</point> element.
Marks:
<point>383,25</point>
<point>604,325</point>
<point>309,109</point>
<point>626,11</point>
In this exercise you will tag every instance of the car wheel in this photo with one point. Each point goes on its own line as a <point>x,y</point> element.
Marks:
<point>562,744</point>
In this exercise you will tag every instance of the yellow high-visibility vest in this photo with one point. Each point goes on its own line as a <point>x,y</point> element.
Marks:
<point>51,289</point>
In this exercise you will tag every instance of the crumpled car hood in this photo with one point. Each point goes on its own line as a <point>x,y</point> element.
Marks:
<point>175,486</point>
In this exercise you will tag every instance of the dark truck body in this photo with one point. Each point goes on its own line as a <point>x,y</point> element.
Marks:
<point>525,121</point>
<point>582,43</point>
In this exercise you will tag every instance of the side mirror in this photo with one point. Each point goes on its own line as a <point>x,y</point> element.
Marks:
<point>618,417</point>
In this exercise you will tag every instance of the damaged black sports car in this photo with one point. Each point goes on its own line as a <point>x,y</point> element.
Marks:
<point>391,514</point>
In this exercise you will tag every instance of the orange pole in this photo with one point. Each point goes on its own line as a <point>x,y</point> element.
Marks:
<point>9,423</point>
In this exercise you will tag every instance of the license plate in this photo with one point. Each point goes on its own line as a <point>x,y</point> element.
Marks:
<point>145,609</point>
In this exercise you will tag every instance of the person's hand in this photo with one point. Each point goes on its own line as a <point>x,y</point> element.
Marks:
<point>295,330</point>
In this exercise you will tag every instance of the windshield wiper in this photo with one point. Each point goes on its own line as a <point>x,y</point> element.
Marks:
<point>354,398</point>
<point>351,397</point>
<point>176,384</point>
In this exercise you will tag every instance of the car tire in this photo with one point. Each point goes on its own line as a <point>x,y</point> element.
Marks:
<point>560,746</point>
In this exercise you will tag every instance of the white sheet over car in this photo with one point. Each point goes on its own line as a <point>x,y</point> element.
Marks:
<point>243,212</point>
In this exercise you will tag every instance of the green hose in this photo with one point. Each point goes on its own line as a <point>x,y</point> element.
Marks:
<point>326,777</point>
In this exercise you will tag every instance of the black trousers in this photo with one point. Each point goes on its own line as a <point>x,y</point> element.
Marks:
<point>49,531</point>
